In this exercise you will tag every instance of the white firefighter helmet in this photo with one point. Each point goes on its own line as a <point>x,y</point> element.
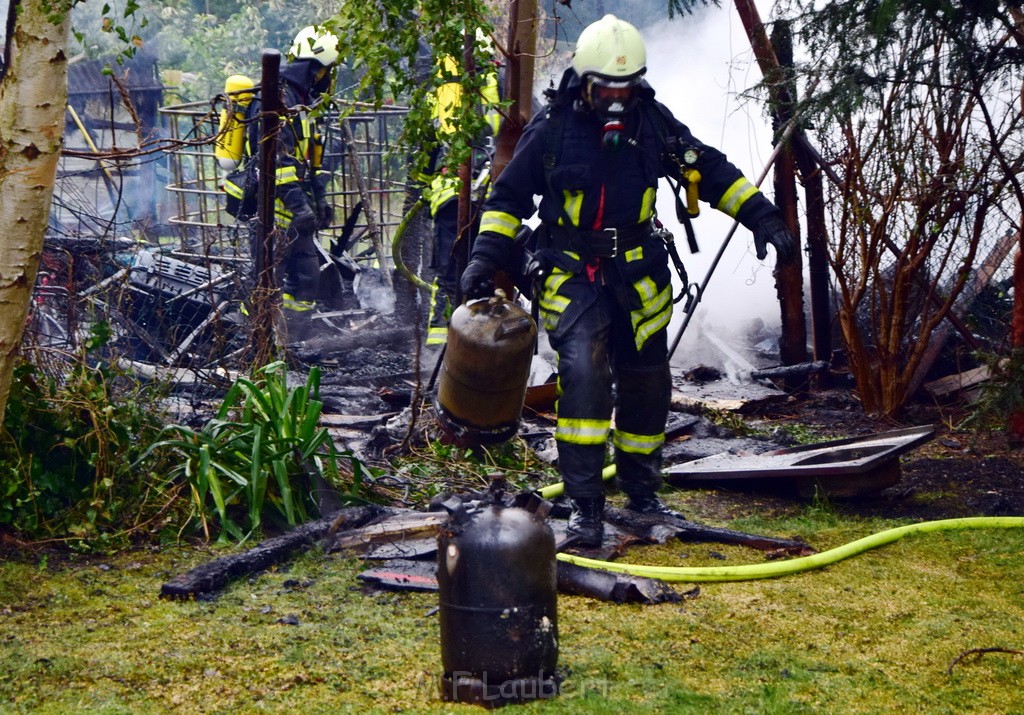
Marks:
<point>315,43</point>
<point>486,50</point>
<point>484,43</point>
<point>612,49</point>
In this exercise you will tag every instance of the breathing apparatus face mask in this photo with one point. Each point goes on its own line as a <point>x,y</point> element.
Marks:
<point>322,81</point>
<point>611,101</point>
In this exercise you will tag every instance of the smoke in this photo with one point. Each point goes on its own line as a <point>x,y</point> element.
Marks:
<point>372,292</point>
<point>699,66</point>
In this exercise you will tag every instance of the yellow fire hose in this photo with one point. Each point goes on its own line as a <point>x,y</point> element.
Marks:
<point>775,569</point>
<point>396,245</point>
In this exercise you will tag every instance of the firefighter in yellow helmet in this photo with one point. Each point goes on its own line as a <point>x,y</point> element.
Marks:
<point>443,190</point>
<point>301,207</point>
<point>595,156</point>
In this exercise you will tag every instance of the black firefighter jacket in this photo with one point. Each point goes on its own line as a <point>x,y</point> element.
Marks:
<point>560,158</point>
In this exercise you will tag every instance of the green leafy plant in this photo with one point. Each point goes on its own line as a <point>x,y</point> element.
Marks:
<point>67,447</point>
<point>727,420</point>
<point>437,466</point>
<point>260,457</point>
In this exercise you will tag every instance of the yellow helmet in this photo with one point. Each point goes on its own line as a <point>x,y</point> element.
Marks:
<point>610,59</point>
<point>313,43</point>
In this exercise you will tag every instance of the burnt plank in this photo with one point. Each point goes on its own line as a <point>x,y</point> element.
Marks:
<point>613,587</point>
<point>692,531</point>
<point>215,575</point>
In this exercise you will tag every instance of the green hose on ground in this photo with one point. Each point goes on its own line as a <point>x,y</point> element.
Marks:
<point>775,569</point>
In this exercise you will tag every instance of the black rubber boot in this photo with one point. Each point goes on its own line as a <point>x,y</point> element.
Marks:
<point>651,505</point>
<point>298,326</point>
<point>585,522</point>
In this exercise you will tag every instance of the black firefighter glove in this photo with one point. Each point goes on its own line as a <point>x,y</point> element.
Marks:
<point>304,221</point>
<point>478,278</point>
<point>297,201</point>
<point>324,208</point>
<point>490,252</point>
<point>772,229</point>
<point>324,215</point>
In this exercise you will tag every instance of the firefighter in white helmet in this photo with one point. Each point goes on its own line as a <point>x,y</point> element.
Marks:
<point>595,156</point>
<point>301,206</point>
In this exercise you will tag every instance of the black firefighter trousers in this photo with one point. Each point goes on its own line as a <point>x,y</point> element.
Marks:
<point>597,353</point>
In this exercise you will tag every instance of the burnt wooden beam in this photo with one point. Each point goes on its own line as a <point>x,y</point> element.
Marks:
<point>217,574</point>
<point>660,529</point>
<point>613,587</point>
<point>784,371</point>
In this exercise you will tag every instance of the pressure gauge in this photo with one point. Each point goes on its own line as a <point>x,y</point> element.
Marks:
<point>690,156</point>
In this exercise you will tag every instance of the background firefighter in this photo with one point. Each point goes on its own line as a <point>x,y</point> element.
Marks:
<point>443,189</point>
<point>595,156</point>
<point>300,206</point>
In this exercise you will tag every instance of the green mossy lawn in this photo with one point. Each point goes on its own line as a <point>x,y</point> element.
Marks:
<point>874,633</point>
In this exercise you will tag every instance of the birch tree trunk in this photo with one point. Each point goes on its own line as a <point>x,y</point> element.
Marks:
<point>33,95</point>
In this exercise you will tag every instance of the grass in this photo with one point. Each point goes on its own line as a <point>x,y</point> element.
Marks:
<point>871,634</point>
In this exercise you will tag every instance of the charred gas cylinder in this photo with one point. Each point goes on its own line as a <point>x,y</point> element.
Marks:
<point>496,574</point>
<point>484,371</point>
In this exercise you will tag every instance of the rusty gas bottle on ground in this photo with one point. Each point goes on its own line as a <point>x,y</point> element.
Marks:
<point>497,578</point>
<point>484,372</point>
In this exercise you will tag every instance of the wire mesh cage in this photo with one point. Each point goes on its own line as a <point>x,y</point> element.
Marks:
<point>368,186</point>
<point>142,243</point>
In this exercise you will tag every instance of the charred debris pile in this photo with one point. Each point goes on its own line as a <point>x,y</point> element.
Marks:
<point>378,390</point>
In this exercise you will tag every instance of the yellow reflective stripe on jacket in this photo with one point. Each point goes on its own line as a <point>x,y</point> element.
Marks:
<point>647,204</point>
<point>302,143</point>
<point>582,431</point>
<point>735,196</point>
<point>282,213</point>
<point>490,98</point>
<point>286,174</point>
<point>637,443</point>
<point>654,313</point>
<point>442,189</point>
<point>233,189</point>
<point>493,119</point>
<point>499,222</point>
<point>573,206</point>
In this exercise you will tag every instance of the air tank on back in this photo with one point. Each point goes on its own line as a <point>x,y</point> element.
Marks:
<point>485,370</point>
<point>230,141</point>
